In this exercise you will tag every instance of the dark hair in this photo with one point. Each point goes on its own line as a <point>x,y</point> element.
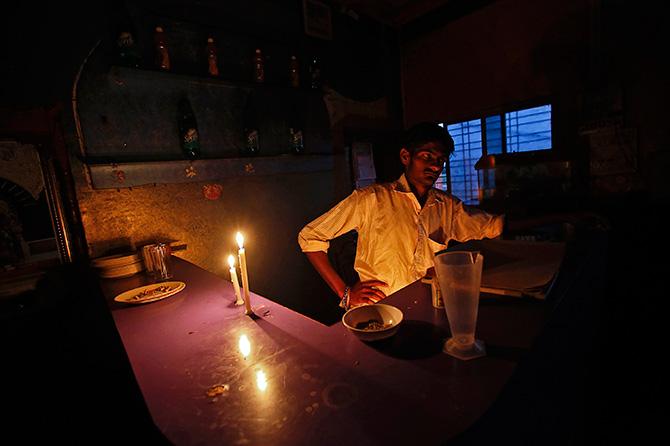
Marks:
<point>425,132</point>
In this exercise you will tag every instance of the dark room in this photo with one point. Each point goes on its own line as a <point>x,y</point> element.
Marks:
<point>326,222</point>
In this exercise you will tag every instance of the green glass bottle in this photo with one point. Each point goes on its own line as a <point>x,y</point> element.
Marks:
<point>127,49</point>
<point>189,137</point>
<point>315,73</point>
<point>251,145</point>
<point>295,130</point>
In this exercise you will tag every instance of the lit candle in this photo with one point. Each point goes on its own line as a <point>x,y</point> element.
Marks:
<point>243,270</point>
<point>233,277</point>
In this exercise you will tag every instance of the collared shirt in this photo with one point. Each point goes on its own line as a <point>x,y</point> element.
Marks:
<point>397,238</point>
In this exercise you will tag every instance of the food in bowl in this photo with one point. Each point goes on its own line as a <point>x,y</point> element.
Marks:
<point>373,322</point>
<point>372,325</point>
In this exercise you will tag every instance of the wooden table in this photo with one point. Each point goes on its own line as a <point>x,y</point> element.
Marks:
<point>324,386</point>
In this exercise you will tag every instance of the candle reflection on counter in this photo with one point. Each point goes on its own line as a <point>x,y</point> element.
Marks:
<point>245,346</point>
<point>261,380</point>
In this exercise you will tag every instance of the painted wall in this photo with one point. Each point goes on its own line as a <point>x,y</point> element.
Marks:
<point>593,60</point>
<point>507,52</point>
<point>269,210</point>
<point>137,117</point>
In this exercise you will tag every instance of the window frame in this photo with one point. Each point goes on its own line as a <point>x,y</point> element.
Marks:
<point>505,156</point>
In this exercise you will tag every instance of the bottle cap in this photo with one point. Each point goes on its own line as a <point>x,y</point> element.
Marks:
<point>159,29</point>
<point>210,40</point>
<point>258,51</point>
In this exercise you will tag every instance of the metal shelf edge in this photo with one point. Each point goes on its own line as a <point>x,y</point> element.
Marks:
<point>120,175</point>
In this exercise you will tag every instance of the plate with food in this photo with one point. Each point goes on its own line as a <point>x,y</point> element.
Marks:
<point>373,322</point>
<point>150,293</point>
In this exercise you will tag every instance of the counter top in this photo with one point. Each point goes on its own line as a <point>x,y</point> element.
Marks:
<point>304,382</point>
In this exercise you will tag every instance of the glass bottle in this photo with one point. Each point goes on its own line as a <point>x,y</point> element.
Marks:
<point>294,72</point>
<point>128,53</point>
<point>162,53</point>
<point>295,132</point>
<point>212,58</point>
<point>315,73</point>
<point>259,68</point>
<point>189,137</point>
<point>251,145</point>
<point>486,177</point>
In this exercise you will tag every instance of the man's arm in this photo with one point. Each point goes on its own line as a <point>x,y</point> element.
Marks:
<point>314,242</point>
<point>360,293</point>
<point>322,265</point>
<point>526,223</point>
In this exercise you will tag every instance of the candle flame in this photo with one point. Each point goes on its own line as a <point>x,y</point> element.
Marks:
<point>261,381</point>
<point>240,240</point>
<point>231,261</point>
<point>245,346</point>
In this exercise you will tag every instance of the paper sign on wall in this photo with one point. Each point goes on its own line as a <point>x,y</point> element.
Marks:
<point>364,165</point>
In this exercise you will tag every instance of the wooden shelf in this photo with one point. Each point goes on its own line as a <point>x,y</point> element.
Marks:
<point>132,174</point>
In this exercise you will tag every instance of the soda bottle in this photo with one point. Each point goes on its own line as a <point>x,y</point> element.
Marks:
<point>315,73</point>
<point>294,72</point>
<point>162,53</point>
<point>295,130</point>
<point>188,130</point>
<point>128,53</point>
<point>123,32</point>
<point>259,69</point>
<point>212,59</point>
<point>251,145</point>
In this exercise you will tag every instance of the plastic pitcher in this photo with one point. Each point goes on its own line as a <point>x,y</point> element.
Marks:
<point>459,274</point>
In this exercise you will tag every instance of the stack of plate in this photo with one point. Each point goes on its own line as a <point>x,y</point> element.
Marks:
<point>118,265</point>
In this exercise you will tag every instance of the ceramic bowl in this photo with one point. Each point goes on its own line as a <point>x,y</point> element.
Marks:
<point>373,322</point>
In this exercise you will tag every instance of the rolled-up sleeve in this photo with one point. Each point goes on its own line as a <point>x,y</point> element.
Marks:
<point>342,218</point>
<point>470,223</point>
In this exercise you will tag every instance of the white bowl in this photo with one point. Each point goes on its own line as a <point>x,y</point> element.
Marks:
<point>356,318</point>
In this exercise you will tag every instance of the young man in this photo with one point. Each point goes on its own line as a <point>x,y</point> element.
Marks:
<point>400,225</point>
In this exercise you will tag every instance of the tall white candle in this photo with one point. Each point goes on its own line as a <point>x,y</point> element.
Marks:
<point>233,277</point>
<point>243,270</point>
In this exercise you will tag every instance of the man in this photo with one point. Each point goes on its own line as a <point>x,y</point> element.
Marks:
<point>400,225</point>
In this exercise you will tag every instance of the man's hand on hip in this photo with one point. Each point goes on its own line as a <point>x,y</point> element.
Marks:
<point>366,293</point>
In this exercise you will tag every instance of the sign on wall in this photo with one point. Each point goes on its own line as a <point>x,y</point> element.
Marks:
<point>317,19</point>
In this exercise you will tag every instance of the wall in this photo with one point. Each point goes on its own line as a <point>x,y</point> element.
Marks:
<point>44,49</point>
<point>507,52</point>
<point>270,210</point>
<point>595,61</point>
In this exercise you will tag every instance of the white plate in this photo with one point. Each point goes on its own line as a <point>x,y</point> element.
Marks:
<point>150,293</point>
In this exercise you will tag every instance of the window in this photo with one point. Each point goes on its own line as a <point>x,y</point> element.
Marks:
<point>468,149</point>
<point>524,130</point>
<point>528,129</point>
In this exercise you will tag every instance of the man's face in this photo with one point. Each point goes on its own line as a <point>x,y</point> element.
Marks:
<point>425,165</point>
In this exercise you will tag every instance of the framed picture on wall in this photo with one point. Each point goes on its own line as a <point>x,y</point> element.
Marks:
<point>34,235</point>
<point>317,19</point>
<point>40,224</point>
